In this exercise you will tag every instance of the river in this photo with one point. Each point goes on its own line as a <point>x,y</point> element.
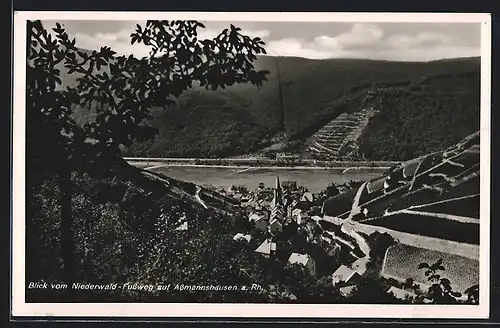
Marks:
<point>315,180</point>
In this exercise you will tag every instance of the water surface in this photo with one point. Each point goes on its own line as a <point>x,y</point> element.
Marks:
<point>315,180</point>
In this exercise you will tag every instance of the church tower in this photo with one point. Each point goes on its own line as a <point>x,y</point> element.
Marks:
<point>278,194</point>
<point>277,209</point>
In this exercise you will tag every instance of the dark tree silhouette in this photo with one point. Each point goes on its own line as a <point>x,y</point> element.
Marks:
<point>122,90</point>
<point>332,190</point>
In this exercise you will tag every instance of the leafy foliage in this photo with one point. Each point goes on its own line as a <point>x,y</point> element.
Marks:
<point>332,190</point>
<point>441,291</point>
<point>75,172</point>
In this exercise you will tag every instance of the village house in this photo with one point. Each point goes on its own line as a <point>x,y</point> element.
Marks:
<point>241,237</point>
<point>346,275</point>
<point>304,260</point>
<point>246,198</point>
<point>262,203</point>
<point>260,221</point>
<point>300,216</point>
<point>307,197</point>
<point>267,248</point>
<point>401,293</point>
<point>347,290</point>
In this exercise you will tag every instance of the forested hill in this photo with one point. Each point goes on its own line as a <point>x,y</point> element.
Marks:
<point>433,104</point>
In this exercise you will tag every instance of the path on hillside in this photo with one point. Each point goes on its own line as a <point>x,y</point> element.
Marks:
<point>458,218</point>
<point>347,227</point>
<point>198,198</point>
<point>432,243</point>
<point>355,209</point>
<point>156,177</point>
<point>197,193</point>
<point>443,201</point>
<point>397,189</point>
<point>156,166</point>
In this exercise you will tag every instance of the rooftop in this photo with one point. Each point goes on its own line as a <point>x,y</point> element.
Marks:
<point>266,247</point>
<point>299,258</point>
<point>346,291</point>
<point>343,273</point>
<point>240,236</point>
<point>255,217</point>
<point>401,293</point>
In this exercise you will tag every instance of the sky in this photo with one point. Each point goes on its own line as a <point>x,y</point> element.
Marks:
<point>315,40</point>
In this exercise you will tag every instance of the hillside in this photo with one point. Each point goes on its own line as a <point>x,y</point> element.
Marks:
<point>430,206</point>
<point>438,96</point>
<point>417,101</point>
<point>136,228</point>
<point>436,195</point>
<point>312,89</point>
<point>423,118</point>
<point>126,222</point>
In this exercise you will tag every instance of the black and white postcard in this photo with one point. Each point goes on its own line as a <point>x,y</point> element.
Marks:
<point>292,165</point>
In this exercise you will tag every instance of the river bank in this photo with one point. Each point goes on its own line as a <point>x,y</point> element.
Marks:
<point>246,163</point>
<point>155,165</point>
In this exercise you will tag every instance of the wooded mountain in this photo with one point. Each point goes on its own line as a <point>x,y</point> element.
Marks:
<point>423,106</point>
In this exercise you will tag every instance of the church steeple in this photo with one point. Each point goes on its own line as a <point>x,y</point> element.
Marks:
<point>277,208</point>
<point>278,193</point>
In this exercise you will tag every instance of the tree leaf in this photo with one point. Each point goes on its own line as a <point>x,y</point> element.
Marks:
<point>423,265</point>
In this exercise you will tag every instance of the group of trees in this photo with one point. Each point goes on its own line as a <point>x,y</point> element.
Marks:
<point>414,123</point>
<point>121,98</point>
<point>202,124</point>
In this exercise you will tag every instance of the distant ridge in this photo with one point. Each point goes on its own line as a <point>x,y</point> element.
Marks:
<point>374,59</point>
<point>244,119</point>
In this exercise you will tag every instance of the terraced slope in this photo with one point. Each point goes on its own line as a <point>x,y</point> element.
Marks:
<point>332,141</point>
<point>436,196</point>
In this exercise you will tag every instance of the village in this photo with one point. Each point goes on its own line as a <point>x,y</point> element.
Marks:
<point>360,231</point>
<point>287,222</point>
